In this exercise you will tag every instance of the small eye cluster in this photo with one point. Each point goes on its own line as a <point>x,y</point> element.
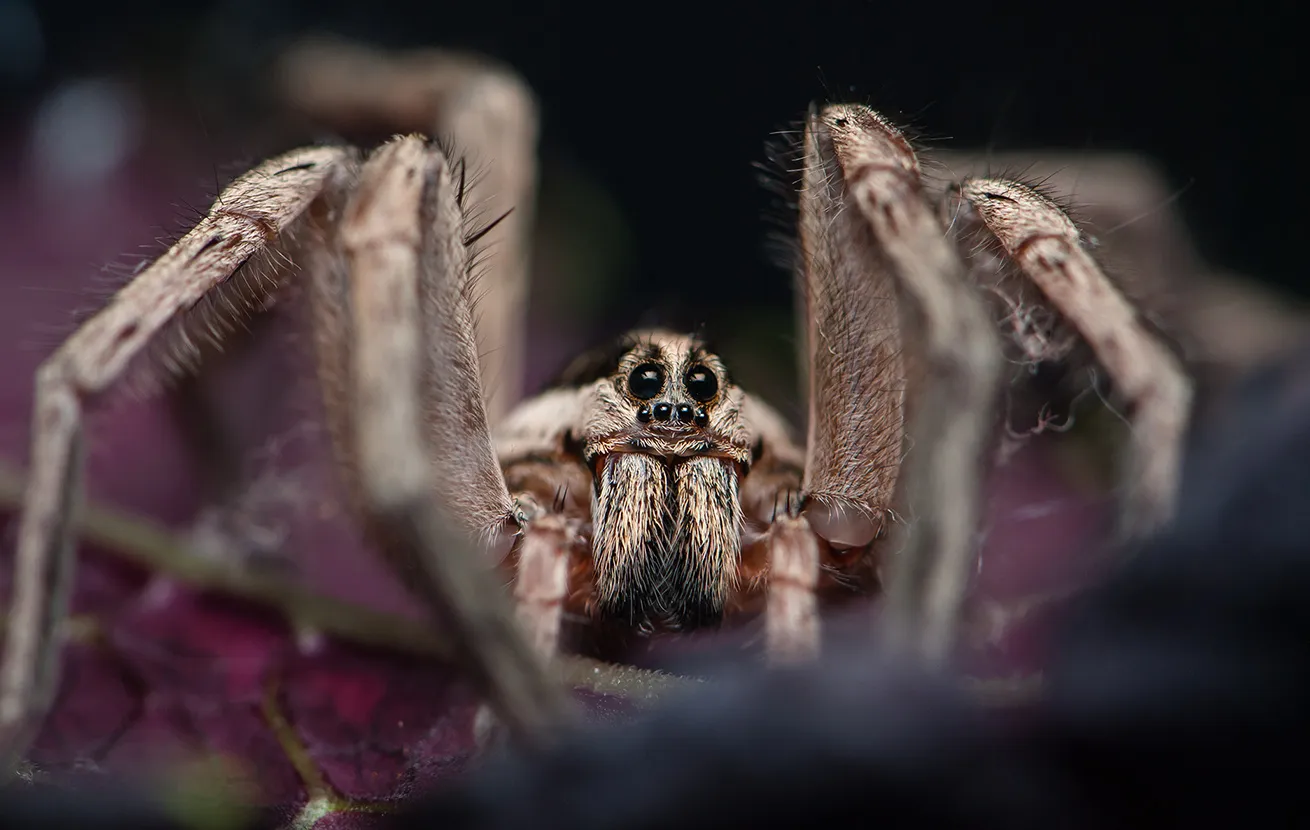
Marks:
<point>647,381</point>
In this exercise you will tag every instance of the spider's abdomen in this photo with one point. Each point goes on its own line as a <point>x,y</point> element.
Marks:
<point>666,539</point>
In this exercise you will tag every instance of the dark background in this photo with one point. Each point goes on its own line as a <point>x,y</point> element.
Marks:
<point>668,106</point>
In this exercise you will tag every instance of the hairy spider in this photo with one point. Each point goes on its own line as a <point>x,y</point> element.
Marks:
<point>645,488</point>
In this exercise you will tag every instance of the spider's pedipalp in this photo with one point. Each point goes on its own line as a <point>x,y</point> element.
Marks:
<point>954,409</point>
<point>246,220</point>
<point>1047,248</point>
<point>423,446</point>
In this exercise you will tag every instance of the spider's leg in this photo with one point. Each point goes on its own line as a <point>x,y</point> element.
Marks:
<point>1047,248</point>
<point>490,116</point>
<point>854,365</point>
<point>552,488</point>
<point>218,256</point>
<point>541,583</point>
<point>957,352</point>
<point>421,447</point>
<point>853,354</point>
<point>548,544</point>
<point>791,622</point>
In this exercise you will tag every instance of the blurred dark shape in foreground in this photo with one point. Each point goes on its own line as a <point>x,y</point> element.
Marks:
<point>1180,697</point>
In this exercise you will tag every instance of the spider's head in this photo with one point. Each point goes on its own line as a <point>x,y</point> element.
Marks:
<point>660,393</point>
<point>673,381</point>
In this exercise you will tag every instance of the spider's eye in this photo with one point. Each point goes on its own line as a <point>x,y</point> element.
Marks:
<point>646,381</point>
<point>701,383</point>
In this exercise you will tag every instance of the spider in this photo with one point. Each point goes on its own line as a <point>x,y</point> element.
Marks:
<point>645,489</point>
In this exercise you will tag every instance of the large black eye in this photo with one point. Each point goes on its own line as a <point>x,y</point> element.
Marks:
<point>646,381</point>
<point>702,385</point>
